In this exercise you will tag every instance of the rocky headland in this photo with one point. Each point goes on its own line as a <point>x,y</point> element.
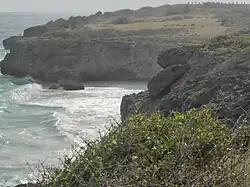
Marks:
<point>114,46</point>
<point>214,71</point>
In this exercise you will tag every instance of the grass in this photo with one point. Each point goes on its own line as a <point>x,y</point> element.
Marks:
<point>192,148</point>
<point>192,30</point>
<point>160,23</point>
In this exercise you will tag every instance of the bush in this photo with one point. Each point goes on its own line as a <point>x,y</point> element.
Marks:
<point>227,41</point>
<point>121,21</point>
<point>184,149</point>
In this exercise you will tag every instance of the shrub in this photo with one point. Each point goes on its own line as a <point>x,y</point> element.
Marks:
<point>184,149</point>
<point>227,41</point>
<point>121,21</point>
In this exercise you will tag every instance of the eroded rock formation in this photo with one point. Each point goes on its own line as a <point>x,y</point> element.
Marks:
<point>46,53</point>
<point>195,76</point>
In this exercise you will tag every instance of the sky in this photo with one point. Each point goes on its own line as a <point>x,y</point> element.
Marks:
<point>82,6</point>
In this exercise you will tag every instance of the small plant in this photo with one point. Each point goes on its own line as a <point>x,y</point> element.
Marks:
<point>184,149</point>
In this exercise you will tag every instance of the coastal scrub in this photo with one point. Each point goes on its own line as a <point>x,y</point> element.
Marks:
<point>192,148</point>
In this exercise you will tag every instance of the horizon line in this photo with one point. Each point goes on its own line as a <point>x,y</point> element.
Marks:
<point>117,9</point>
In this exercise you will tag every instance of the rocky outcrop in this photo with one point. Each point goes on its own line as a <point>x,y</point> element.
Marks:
<point>59,51</point>
<point>195,76</point>
<point>79,60</point>
<point>56,25</point>
<point>117,46</point>
<point>165,79</point>
<point>10,41</point>
<point>68,50</point>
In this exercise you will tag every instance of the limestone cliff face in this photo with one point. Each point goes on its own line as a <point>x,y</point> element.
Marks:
<point>195,76</point>
<point>69,50</point>
<point>54,58</point>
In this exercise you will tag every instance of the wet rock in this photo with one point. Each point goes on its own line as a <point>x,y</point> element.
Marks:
<point>54,86</point>
<point>71,85</point>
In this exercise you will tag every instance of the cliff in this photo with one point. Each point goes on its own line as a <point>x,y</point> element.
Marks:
<point>80,59</point>
<point>118,46</point>
<point>214,73</point>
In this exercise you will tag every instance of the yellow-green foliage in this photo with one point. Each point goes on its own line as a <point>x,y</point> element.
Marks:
<point>185,149</point>
<point>227,41</point>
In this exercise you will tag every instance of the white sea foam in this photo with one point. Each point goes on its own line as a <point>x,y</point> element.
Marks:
<point>42,123</point>
<point>25,92</point>
<point>3,52</point>
<point>29,131</point>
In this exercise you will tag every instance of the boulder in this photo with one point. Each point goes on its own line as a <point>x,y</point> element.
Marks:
<point>160,84</point>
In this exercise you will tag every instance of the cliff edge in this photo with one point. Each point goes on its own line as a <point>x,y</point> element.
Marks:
<point>214,73</point>
<point>111,46</point>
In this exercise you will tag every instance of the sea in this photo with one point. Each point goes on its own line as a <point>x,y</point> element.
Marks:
<point>39,126</point>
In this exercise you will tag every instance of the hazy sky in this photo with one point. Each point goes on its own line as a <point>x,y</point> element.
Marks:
<point>81,6</point>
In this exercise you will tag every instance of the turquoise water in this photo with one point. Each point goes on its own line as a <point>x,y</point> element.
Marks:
<point>39,125</point>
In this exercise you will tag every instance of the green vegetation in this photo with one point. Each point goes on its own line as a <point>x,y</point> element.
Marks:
<point>184,149</point>
<point>125,24</point>
<point>181,27</point>
<point>226,41</point>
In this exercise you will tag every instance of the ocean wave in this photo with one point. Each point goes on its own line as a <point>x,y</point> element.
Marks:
<point>3,52</point>
<point>67,127</point>
<point>33,98</point>
<point>15,81</point>
<point>45,122</point>
<point>24,93</point>
<point>22,81</point>
<point>8,83</point>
